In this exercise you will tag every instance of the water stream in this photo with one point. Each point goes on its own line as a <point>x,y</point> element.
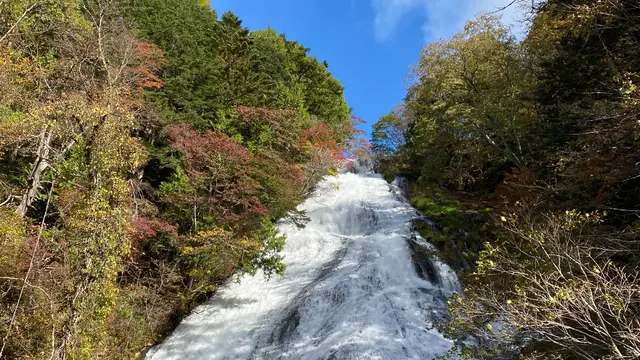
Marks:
<point>350,290</point>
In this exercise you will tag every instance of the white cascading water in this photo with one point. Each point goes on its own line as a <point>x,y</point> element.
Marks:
<point>350,291</point>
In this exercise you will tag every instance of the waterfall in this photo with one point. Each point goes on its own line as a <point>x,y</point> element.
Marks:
<point>350,291</point>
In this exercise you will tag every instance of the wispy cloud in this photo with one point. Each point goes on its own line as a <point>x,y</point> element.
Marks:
<point>441,17</point>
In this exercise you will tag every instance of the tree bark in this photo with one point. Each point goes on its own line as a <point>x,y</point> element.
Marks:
<point>40,165</point>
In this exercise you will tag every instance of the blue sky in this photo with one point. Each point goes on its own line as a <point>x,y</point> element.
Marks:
<point>369,44</point>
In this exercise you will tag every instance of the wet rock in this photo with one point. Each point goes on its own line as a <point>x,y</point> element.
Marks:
<point>422,258</point>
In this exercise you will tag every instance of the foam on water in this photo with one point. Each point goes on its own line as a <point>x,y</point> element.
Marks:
<point>350,290</point>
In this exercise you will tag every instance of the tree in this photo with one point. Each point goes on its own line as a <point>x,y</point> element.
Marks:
<point>187,32</point>
<point>540,135</point>
<point>586,64</point>
<point>470,97</point>
<point>79,149</point>
<point>388,141</point>
<point>222,191</point>
<point>146,150</point>
<point>388,135</point>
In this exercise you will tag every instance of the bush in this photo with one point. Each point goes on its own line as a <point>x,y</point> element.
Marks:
<point>555,280</point>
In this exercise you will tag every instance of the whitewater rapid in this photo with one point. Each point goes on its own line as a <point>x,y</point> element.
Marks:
<point>350,290</point>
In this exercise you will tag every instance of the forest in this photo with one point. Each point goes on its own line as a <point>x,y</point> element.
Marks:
<point>526,153</point>
<point>147,148</point>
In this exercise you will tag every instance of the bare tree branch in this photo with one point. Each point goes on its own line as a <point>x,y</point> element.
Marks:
<point>24,14</point>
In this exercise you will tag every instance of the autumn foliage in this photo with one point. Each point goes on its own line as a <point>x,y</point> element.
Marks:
<point>147,62</point>
<point>526,155</point>
<point>146,150</point>
<point>219,173</point>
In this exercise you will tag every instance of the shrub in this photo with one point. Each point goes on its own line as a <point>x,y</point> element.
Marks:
<point>551,279</point>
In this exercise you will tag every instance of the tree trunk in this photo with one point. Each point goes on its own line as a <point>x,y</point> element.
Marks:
<point>40,165</point>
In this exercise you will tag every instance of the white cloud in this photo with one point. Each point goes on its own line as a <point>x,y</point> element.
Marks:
<point>389,13</point>
<point>442,18</point>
